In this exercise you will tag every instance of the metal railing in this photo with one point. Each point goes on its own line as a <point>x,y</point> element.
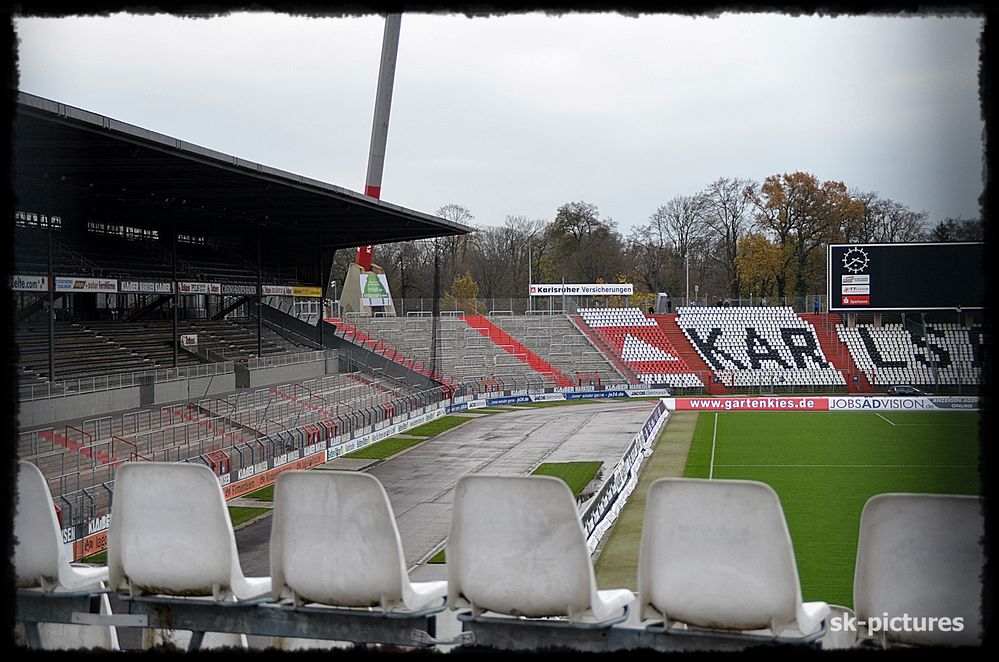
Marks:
<point>275,360</point>
<point>30,392</point>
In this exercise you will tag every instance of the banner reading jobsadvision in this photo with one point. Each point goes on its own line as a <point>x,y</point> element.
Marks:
<point>834,403</point>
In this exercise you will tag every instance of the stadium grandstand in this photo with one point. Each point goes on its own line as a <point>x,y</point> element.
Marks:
<point>175,352</point>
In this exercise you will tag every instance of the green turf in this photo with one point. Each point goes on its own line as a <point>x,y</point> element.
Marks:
<point>576,475</point>
<point>385,448</point>
<point>433,428</point>
<point>263,494</point>
<point>241,514</point>
<point>825,466</point>
<point>438,558</point>
<point>617,565</point>
<point>100,558</point>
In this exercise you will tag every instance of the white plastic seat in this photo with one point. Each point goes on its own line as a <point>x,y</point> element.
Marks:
<point>921,555</point>
<point>170,534</point>
<point>41,563</point>
<point>40,559</point>
<point>517,547</point>
<point>717,554</point>
<point>334,541</point>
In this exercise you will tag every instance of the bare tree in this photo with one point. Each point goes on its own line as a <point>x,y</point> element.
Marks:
<point>725,208</point>
<point>886,221</point>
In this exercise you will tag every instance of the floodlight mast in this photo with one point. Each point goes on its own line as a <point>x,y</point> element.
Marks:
<point>379,127</point>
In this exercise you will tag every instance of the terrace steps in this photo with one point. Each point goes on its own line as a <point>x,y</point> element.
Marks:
<point>836,351</point>
<point>511,346</point>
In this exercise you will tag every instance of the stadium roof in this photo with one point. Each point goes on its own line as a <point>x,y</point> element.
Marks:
<point>107,169</point>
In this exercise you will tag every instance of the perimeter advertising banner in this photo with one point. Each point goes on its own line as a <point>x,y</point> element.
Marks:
<point>834,403</point>
<point>145,287</point>
<point>576,289</point>
<point>184,287</point>
<point>29,283</point>
<point>86,284</point>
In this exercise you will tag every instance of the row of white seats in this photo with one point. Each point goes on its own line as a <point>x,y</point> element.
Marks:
<point>733,325</point>
<point>892,344</point>
<point>806,377</point>
<point>714,554</point>
<point>678,380</point>
<point>601,317</point>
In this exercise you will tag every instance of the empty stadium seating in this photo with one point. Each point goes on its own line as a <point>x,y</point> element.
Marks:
<point>716,565</point>
<point>921,555</point>
<point>948,355</point>
<point>344,516</point>
<point>41,566</point>
<point>758,347</point>
<point>517,548</point>
<point>642,345</point>
<point>717,554</point>
<point>556,339</point>
<point>463,354</point>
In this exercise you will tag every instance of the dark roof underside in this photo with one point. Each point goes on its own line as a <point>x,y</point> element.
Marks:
<point>75,162</point>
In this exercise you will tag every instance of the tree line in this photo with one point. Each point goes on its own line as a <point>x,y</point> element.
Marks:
<point>735,238</point>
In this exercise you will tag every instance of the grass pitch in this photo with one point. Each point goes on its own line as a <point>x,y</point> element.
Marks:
<point>825,466</point>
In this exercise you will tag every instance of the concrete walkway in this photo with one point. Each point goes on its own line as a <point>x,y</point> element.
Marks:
<point>420,481</point>
<point>617,561</point>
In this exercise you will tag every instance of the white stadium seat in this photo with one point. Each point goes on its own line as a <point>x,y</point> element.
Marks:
<point>41,564</point>
<point>171,535</point>
<point>921,555</point>
<point>517,547</point>
<point>334,541</point>
<point>717,554</point>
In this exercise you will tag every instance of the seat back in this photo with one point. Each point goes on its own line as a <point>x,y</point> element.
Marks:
<point>517,547</point>
<point>334,540</point>
<point>922,555</point>
<point>38,550</point>
<point>717,554</point>
<point>170,531</point>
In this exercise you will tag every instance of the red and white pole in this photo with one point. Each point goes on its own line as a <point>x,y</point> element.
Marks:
<point>379,127</point>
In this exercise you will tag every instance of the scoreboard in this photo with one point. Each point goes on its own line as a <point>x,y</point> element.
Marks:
<point>924,276</point>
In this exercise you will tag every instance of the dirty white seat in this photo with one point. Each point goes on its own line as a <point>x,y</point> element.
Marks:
<point>517,547</point>
<point>921,555</point>
<point>717,554</point>
<point>40,559</point>
<point>41,563</point>
<point>334,541</point>
<point>170,534</point>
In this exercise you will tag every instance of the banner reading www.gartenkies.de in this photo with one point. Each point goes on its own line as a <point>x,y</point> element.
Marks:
<point>832,403</point>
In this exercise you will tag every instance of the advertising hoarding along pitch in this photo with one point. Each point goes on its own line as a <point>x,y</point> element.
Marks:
<point>29,283</point>
<point>107,285</point>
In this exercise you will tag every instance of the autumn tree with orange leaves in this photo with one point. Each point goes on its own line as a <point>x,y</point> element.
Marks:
<point>801,216</point>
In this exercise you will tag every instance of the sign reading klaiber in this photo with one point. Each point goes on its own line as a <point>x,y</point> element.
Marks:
<point>375,290</point>
<point>575,289</point>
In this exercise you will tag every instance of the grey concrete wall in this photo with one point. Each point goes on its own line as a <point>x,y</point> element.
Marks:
<point>67,407</point>
<point>246,378</point>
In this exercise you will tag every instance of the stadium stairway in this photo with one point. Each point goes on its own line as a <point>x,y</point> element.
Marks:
<point>67,442</point>
<point>836,351</point>
<point>667,322</point>
<point>511,346</point>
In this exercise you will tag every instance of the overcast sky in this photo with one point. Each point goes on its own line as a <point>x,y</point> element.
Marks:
<point>518,114</point>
